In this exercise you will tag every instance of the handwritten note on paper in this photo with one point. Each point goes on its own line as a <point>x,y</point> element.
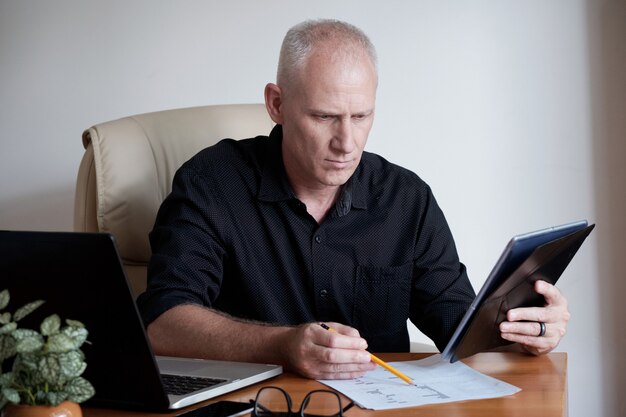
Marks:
<point>436,382</point>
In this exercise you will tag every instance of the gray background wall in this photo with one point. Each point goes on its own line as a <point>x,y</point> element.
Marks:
<point>513,111</point>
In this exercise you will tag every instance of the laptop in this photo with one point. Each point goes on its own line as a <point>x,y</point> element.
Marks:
<point>80,277</point>
<point>543,254</point>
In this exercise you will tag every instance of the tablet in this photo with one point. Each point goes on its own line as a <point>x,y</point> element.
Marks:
<point>540,255</point>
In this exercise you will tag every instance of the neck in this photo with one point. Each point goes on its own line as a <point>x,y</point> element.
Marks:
<point>318,201</point>
<point>317,197</point>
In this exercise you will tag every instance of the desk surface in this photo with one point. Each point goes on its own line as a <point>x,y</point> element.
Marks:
<point>543,381</point>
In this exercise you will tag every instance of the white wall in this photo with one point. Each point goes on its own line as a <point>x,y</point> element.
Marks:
<point>512,111</point>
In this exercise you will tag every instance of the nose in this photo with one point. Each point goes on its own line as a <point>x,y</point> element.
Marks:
<point>343,140</point>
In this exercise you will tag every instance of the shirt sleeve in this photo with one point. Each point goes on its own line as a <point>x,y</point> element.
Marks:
<point>187,260</point>
<point>441,291</point>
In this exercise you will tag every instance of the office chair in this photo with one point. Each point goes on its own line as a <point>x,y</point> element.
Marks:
<point>128,167</point>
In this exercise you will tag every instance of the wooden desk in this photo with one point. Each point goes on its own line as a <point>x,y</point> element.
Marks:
<point>543,381</point>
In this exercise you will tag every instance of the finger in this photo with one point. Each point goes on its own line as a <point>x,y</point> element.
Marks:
<point>523,328</point>
<point>551,314</point>
<point>343,368</point>
<point>342,375</point>
<point>538,343</point>
<point>344,329</point>
<point>328,363</point>
<point>336,356</point>
<point>533,343</point>
<point>530,314</point>
<point>551,293</point>
<point>335,339</point>
<point>555,307</point>
<point>321,370</point>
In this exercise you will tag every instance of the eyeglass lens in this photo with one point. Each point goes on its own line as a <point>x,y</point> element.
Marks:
<point>272,401</point>
<point>321,403</point>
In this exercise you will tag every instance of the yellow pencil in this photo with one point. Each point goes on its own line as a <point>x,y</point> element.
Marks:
<point>380,362</point>
<point>392,369</point>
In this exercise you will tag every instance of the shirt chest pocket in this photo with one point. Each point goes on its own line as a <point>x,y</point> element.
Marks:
<point>381,299</point>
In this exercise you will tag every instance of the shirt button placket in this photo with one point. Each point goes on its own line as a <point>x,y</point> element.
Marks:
<point>321,276</point>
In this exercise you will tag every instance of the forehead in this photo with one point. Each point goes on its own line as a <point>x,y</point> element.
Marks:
<point>328,74</point>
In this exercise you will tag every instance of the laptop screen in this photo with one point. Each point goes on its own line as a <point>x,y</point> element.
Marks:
<point>80,277</point>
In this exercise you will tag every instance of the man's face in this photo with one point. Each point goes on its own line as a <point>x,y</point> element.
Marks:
<point>327,112</point>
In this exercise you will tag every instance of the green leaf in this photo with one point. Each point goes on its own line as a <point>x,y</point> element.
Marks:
<point>74,323</point>
<point>25,372</point>
<point>5,318</point>
<point>6,379</point>
<point>51,325</point>
<point>55,398</point>
<point>72,364</point>
<point>7,347</point>
<point>59,343</point>
<point>4,299</point>
<point>12,395</point>
<point>78,335</point>
<point>29,344</point>
<point>8,328</point>
<point>24,311</point>
<point>79,390</point>
<point>20,334</point>
<point>40,398</point>
<point>50,370</point>
<point>26,362</point>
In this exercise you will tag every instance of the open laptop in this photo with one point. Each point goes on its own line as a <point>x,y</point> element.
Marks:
<point>80,277</point>
<point>543,254</point>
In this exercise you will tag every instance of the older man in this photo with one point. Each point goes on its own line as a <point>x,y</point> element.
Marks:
<point>261,239</point>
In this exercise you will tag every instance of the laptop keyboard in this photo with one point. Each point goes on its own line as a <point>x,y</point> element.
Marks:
<point>184,384</point>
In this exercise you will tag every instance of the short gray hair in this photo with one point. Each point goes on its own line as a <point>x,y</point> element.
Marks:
<point>300,40</point>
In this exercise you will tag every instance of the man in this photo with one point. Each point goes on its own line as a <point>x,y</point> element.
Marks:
<point>262,239</point>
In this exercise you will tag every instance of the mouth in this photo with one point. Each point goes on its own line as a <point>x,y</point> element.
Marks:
<point>338,164</point>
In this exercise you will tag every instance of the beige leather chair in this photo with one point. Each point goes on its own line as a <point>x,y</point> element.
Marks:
<point>129,164</point>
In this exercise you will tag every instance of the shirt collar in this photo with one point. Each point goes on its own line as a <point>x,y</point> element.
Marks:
<point>274,185</point>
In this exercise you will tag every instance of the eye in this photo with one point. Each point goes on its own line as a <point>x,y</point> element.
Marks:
<point>359,117</point>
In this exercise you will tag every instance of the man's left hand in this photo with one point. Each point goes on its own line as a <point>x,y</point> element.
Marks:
<point>524,324</point>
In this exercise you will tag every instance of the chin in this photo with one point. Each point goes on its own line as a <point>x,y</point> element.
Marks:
<point>336,180</point>
<point>335,177</point>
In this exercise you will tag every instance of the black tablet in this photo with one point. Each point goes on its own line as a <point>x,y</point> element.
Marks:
<point>541,255</point>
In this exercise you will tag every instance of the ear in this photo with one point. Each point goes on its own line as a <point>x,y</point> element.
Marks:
<point>273,102</point>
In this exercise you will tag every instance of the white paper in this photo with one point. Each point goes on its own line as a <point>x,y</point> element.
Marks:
<point>436,382</point>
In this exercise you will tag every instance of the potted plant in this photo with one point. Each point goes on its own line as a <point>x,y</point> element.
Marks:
<point>44,367</point>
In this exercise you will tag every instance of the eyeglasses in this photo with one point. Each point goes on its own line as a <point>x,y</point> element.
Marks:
<point>276,402</point>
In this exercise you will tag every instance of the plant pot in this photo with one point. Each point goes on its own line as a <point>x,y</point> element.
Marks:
<point>65,409</point>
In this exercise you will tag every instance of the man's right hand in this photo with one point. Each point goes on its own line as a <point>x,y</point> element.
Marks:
<point>315,352</point>
<point>310,350</point>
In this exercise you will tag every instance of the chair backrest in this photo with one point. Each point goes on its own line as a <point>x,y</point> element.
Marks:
<point>128,167</point>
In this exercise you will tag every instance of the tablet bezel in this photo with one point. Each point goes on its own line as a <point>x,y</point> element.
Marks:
<point>516,251</point>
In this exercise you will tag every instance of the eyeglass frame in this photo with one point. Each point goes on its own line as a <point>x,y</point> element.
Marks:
<point>305,401</point>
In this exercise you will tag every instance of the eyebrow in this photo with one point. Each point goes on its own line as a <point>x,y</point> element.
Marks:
<point>334,114</point>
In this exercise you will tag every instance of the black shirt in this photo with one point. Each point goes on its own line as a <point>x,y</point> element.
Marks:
<point>232,236</point>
